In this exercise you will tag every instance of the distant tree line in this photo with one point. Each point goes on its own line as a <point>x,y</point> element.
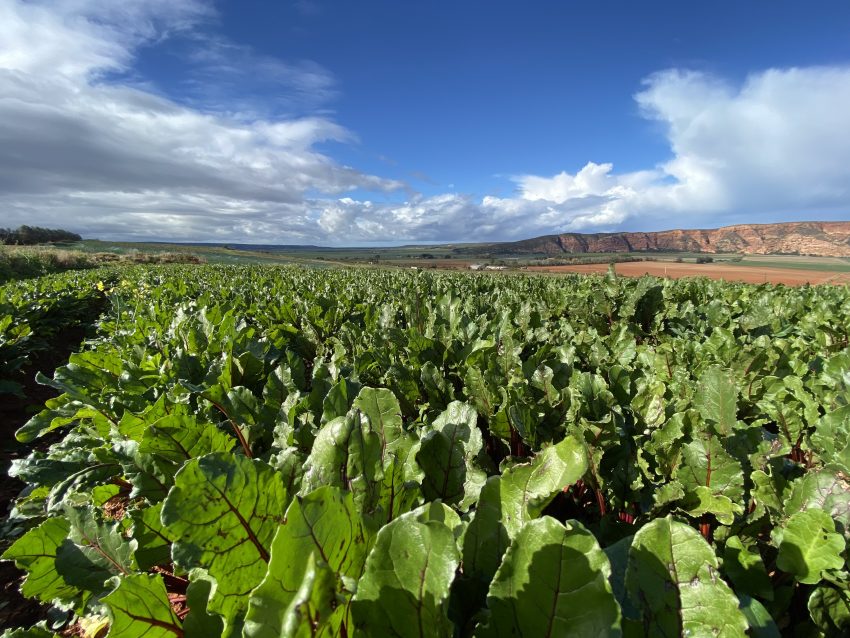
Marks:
<point>30,235</point>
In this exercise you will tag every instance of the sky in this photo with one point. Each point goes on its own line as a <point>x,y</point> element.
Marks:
<point>381,122</point>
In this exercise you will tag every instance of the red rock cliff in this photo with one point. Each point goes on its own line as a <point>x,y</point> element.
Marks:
<point>828,239</point>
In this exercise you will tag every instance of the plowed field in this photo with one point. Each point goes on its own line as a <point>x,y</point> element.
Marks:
<point>728,272</point>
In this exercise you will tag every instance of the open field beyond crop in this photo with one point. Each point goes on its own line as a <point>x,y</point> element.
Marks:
<point>774,272</point>
<point>267,451</point>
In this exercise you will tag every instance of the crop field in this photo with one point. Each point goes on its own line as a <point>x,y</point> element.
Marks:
<point>755,272</point>
<point>266,451</point>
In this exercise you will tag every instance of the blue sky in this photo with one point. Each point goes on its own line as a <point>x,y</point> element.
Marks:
<point>382,122</point>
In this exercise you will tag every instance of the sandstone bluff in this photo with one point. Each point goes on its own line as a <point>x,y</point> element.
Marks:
<point>826,239</point>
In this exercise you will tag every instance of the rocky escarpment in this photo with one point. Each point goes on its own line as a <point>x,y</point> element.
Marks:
<point>827,239</point>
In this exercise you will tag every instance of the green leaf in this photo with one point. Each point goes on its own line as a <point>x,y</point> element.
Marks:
<point>101,494</point>
<point>140,609</point>
<point>791,407</point>
<point>80,482</point>
<point>87,378</point>
<point>325,523</point>
<point>716,399</point>
<point>37,631</point>
<point>173,440</point>
<point>808,546</point>
<point>707,464</point>
<point>437,389</point>
<point>405,588</point>
<point>618,557</point>
<point>237,405</point>
<point>346,454</point>
<point>649,403</point>
<point>446,454</point>
<point>760,621</point>
<point>397,493</point>
<point>93,552</point>
<point>481,391</point>
<point>664,443</point>
<point>825,490</point>
<point>315,610</point>
<point>279,385</point>
<point>438,512</point>
<point>60,411</point>
<point>223,512</point>
<point>768,493</point>
<point>365,452</point>
<point>508,501</point>
<point>553,581</point>
<point>199,623</point>
<point>831,438</point>
<point>165,446</point>
<point>542,379</point>
<point>154,541</point>
<point>134,425</point>
<point>666,494</point>
<point>830,609</point>
<point>383,416</point>
<point>674,579</point>
<point>35,552</point>
<point>746,570</point>
<point>337,402</point>
<point>702,501</point>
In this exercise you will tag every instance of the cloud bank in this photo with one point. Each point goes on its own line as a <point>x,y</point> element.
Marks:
<point>773,146</point>
<point>84,145</point>
<point>87,145</point>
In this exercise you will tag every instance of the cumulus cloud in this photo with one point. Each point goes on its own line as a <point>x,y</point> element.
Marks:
<point>772,148</point>
<point>83,149</point>
<point>86,144</point>
<point>775,143</point>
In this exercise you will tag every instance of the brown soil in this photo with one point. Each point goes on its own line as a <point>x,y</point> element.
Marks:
<point>728,272</point>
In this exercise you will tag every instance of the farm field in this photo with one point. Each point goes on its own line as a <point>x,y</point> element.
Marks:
<point>450,257</point>
<point>802,262</point>
<point>774,272</point>
<point>267,451</point>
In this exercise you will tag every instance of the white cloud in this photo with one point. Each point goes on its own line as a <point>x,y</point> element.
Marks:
<point>86,144</point>
<point>217,80</point>
<point>81,151</point>
<point>775,143</point>
<point>773,148</point>
<point>77,38</point>
<point>593,179</point>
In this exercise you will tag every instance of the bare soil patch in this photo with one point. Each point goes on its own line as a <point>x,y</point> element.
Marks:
<point>728,272</point>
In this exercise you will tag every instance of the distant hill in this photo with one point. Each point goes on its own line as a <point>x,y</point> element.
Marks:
<point>824,239</point>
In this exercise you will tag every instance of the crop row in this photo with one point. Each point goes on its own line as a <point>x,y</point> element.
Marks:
<point>283,452</point>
